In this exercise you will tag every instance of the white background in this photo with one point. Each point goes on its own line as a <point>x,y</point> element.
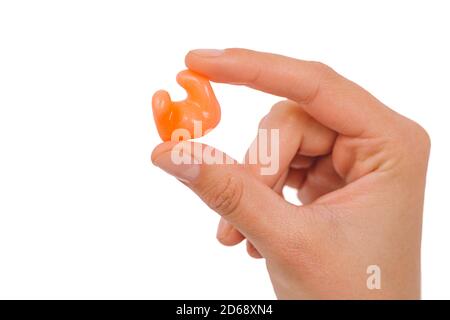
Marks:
<point>83,213</point>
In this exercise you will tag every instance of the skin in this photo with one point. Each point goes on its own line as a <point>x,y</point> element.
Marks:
<point>359,169</point>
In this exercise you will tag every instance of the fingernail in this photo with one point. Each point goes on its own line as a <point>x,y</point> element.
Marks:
<point>208,53</point>
<point>223,229</point>
<point>186,172</point>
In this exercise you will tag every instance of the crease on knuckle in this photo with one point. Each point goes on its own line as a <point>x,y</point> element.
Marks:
<point>224,196</point>
<point>255,77</point>
<point>323,72</point>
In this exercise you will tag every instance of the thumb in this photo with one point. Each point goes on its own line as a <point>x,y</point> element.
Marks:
<point>226,187</point>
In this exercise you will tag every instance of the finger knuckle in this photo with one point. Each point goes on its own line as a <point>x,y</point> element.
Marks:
<point>424,138</point>
<point>286,112</point>
<point>419,138</point>
<point>322,75</point>
<point>284,106</point>
<point>224,195</point>
<point>323,70</point>
<point>262,122</point>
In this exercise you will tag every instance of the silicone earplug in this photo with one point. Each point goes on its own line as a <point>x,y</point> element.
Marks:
<point>199,108</point>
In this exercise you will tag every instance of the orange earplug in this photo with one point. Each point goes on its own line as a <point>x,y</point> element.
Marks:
<point>200,106</point>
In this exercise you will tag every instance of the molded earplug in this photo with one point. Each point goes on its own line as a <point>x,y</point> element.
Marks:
<point>200,106</point>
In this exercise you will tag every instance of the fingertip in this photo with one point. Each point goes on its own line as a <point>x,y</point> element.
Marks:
<point>206,53</point>
<point>227,234</point>
<point>252,251</point>
<point>207,62</point>
<point>161,149</point>
<point>192,59</point>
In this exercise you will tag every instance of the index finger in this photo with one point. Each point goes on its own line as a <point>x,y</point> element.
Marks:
<point>328,97</point>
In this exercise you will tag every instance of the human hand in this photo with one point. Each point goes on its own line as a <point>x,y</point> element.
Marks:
<point>359,168</point>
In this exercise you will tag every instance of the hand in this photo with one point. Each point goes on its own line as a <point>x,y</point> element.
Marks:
<point>359,168</point>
